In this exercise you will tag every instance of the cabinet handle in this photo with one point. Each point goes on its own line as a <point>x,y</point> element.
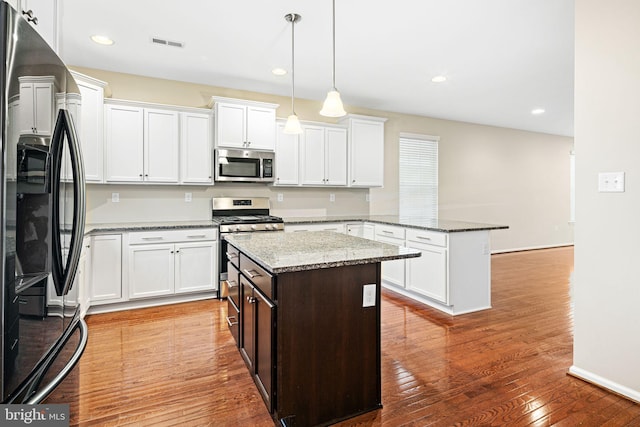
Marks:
<point>152,238</point>
<point>231,324</point>
<point>231,255</point>
<point>30,17</point>
<point>23,301</point>
<point>15,342</point>
<point>197,236</point>
<point>251,300</point>
<point>231,284</point>
<point>423,238</point>
<point>387,232</point>
<point>15,299</point>
<point>250,274</point>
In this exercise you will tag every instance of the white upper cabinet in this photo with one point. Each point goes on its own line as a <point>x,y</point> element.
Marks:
<point>36,105</point>
<point>196,151</point>
<point>244,124</point>
<point>323,155</point>
<point>287,157</point>
<point>366,150</point>
<point>90,126</point>
<point>124,140</point>
<point>46,13</point>
<point>161,149</point>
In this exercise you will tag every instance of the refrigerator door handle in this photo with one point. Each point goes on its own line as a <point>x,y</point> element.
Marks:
<point>64,273</point>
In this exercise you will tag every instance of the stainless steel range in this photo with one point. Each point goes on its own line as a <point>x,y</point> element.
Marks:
<point>240,215</point>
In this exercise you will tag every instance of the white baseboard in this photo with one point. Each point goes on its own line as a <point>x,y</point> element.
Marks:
<point>531,248</point>
<point>605,383</point>
<point>150,302</point>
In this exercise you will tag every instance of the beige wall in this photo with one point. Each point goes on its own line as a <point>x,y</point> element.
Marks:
<point>487,174</point>
<point>607,131</point>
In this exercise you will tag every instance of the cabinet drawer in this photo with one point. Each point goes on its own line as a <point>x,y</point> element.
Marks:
<point>233,256</point>
<point>233,320</point>
<point>257,275</point>
<point>167,236</point>
<point>389,231</point>
<point>427,237</point>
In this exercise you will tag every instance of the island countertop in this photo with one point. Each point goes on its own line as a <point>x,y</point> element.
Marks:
<point>312,250</point>
<point>422,223</point>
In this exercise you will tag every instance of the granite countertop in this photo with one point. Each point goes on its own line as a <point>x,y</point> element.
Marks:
<point>442,225</point>
<point>148,226</point>
<point>312,250</point>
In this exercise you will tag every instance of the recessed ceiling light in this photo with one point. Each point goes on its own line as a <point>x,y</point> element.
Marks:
<point>439,79</point>
<point>279,71</point>
<point>103,40</point>
<point>537,111</point>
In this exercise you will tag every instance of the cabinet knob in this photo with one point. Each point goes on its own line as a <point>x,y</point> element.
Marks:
<point>353,181</point>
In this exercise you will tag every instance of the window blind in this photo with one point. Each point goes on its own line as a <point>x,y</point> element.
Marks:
<point>418,177</point>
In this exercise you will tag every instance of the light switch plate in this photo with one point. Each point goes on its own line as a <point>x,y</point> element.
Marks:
<point>611,182</point>
<point>115,197</point>
<point>332,197</point>
<point>369,295</point>
<point>187,197</point>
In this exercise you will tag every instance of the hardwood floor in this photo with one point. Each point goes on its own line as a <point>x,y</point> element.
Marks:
<point>177,365</point>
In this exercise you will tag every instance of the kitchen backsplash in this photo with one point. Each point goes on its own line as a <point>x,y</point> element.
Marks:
<point>149,203</point>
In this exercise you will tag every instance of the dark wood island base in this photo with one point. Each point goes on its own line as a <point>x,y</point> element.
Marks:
<point>328,345</point>
<point>304,309</point>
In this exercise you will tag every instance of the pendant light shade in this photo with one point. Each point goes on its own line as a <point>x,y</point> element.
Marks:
<point>293,124</point>
<point>332,106</point>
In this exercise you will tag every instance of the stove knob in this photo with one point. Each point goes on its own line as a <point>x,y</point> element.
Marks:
<point>254,227</point>
<point>268,227</point>
<point>237,228</point>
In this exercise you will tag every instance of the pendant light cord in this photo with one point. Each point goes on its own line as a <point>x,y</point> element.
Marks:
<point>293,62</point>
<point>333,20</point>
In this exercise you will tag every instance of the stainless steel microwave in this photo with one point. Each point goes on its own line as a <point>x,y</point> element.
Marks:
<point>244,165</point>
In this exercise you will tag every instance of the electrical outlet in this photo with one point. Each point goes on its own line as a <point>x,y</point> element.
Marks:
<point>367,198</point>
<point>369,295</point>
<point>611,182</point>
<point>187,197</point>
<point>332,197</point>
<point>115,197</point>
<point>280,197</point>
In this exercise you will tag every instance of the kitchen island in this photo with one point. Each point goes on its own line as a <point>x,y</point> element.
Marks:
<point>304,309</point>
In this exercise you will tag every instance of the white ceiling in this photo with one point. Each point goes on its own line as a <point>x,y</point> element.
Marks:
<point>502,58</point>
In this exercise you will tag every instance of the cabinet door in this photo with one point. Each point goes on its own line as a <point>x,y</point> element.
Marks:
<point>427,274</point>
<point>106,268</point>
<point>36,108</point>
<point>265,360</point>
<point>287,158</point>
<point>248,324</point>
<point>231,125</point>
<point>196,154</point>
<point>393,271</point>
<point>47,13</point>
<point>124,142</point>
<point>194,264</point>
<point>367,153</point>
<point>355,230</point>
<point>336,156</point>
<point>261,128</point>
<point>151,270</point>
<point>161,148</point>
<point>90,126</point>
<point>313,156</point>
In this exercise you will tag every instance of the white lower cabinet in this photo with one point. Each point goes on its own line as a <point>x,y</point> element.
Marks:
<point>106,269</point>
<point>393,272</point>
<point>171,262</point>
<point>363,230</point>
<point>427,274</point>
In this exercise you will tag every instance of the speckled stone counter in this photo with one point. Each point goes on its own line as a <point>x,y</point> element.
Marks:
<point>311,250</point>
<point>442,225</point>
<point>147,226</point>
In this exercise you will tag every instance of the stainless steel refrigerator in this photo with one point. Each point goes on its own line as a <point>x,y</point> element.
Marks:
<point>42,213</point>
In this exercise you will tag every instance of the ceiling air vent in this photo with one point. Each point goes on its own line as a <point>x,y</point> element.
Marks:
<point>164,42</point>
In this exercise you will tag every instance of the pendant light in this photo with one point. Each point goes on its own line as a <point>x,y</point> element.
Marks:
<point>293,124</point>
<point>332,106</point>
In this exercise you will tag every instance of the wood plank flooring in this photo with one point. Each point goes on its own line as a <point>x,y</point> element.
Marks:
<point>177,365</point>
